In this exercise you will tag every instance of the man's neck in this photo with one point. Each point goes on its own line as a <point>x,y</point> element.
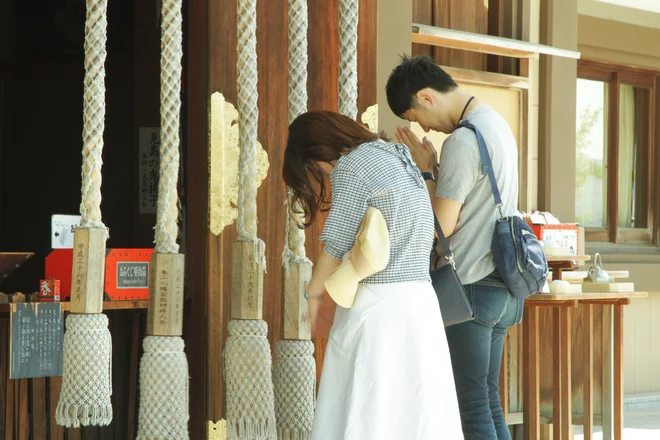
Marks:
<point>460,100</point>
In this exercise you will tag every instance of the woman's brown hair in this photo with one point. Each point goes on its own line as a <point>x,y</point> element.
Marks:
<point>315,137</point>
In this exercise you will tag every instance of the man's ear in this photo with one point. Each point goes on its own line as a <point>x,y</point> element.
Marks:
<point>425,97</point>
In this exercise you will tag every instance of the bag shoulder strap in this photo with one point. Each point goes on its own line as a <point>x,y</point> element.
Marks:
<point>443,242</point>
<point>486,164</point>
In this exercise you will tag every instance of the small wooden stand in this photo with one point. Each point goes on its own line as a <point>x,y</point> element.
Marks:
<point>88,270</point>
<point>166,276</point>
<point>247,282</point>
<point>559,263</point>
<point>296,310</point>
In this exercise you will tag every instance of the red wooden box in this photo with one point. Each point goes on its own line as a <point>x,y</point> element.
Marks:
<point>562,235</point>
<point>126,272</point>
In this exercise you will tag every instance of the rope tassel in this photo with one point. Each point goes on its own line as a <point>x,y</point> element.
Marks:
<point>87,385</point>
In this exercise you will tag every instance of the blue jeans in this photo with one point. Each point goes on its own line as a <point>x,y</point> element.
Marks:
<point>476,355</point>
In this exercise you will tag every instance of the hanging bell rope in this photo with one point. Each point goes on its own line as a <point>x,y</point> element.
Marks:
<point>348,77</point>
<point>247,356</point>
<point>164,383</point>
<point>294,376</point>
<point>86,370</point>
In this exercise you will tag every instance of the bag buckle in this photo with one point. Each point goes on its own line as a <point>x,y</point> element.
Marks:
<point>451,260</point>
<point>499,211</point>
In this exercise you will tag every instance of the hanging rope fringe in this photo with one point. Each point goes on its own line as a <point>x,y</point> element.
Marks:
<point>295,387</point>
<point>93,113</point>
<point>87,384</point>
<point>170,109</point>
<point>248,369</point>
<point>294,239</point>
<point>348,36</point>
<point>164,410</point>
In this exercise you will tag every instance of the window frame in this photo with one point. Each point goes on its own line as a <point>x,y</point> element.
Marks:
<point>615,76</point>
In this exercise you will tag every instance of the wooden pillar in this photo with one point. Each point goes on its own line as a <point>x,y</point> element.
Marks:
<point>557,114</point>
<point>394,39</point>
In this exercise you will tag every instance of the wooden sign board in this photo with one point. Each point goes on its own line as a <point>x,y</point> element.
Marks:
<point>36,339</point>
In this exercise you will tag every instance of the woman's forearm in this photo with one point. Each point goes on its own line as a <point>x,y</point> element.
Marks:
<point>322,270</point>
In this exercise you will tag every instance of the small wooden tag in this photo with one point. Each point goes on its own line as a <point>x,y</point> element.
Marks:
<point>166,276</point>
<point>247,282</point>
<point>296,310</point>
<point>88,270</point>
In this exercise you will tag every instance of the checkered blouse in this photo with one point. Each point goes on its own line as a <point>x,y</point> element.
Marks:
<point>384,176</point>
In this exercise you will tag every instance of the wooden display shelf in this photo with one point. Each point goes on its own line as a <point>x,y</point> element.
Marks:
<point>557,263</point>
<point>107,305</point>
<point>488,44</point>
<point>585,296</point>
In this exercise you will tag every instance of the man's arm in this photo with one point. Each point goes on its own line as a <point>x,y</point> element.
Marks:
<point>446,210</point>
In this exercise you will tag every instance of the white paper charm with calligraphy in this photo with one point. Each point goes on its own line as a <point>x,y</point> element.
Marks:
<point>87,386</point>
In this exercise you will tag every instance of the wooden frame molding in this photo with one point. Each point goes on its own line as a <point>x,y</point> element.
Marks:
<point>488,44</point>
<point>614,76</point>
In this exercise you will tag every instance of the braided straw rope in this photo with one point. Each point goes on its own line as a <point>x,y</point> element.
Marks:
<point>295,371</point>
<point>87,351</point>
<point>247,357</point>
<point>170,108</point>
<point>294,237</point>
<point>348,77</point>
<point>164,383</point>
<point>93,113</point>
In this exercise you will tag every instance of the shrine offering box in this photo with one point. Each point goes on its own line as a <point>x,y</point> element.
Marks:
<point>126,272</point>
<point>560,235</point>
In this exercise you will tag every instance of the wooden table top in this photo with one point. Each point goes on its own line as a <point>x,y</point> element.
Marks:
<point>585,296</point>
<point>107,305</point>
<point>566,258</point>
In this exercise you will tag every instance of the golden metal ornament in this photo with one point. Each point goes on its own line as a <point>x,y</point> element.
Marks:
<point>224,151</point>
<point>370,117</point>
<point>217,430</point>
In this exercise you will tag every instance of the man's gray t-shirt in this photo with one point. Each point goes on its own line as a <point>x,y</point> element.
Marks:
<point>460,178</point>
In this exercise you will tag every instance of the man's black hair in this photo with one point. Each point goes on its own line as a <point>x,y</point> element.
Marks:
<point>411,76</point>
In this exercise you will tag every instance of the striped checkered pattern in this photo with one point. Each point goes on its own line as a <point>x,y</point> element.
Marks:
<point>384,176</point>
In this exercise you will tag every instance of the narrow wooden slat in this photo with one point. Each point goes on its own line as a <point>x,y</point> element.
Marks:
<point>133,371</point>
<point>55,386</point>
<point>74,434</point>
<point>9,408</point>
<point>422,12</point>
<point>23,409</point>
<point>613,159</point>
<point>588,380</point>
<point>557,373</point>
<point>531,393</point>
<point>4,373</point>
<point>618,370</point>
<point>495,28</point>
<point>565,365</point>
<point>39,416</point>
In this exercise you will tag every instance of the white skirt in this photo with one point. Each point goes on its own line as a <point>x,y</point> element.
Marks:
<point>387,373</point>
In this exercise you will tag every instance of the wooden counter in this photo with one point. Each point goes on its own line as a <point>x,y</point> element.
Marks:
<point>562,381</point>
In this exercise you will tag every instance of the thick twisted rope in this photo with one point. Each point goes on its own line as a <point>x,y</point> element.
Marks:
<point>163,390</point>
<point>294,237</point>
<point>93,113</point>
<point>348,76</point>
<point>87,351</point>
<point>248,118</point>
<point>295,387</point>
<point>87,384</point>
<point>170,108</point>
<point>164,404</point>
<point>248,369</point>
